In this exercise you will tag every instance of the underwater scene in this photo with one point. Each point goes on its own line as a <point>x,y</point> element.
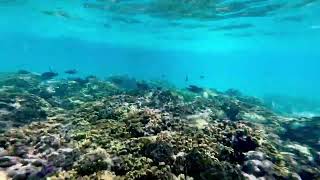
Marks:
<point>160,89</point>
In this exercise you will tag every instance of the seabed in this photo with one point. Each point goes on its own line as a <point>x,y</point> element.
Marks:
<point>122,128</point>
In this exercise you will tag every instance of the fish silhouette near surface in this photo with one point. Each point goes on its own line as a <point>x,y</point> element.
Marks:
<point>71,71</point>
<point>195,89</point>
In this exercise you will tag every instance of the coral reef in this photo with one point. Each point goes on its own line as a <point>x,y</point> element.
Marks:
<point>95,129</point>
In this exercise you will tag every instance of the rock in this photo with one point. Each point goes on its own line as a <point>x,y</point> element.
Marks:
<point>7,161</point>
<point>309,173</point>
<point>20,150</point>
<point>295,176</point>
<point>33,161</point>
<point>257,155</point>
<point>4,125</point>
<point>258,168</point>
<point>254,167</point>
<point>48,144</point>
<point>26,172</point>
<point>46,170</point>
<point>3,152</point>
<point>159,152</point>
<point>197,162</point>
<point>94,161</point>
<point>243,143</point>
<point>63,157</point>
<point>38,163</point>
<point>249,176</point>
<point>231,110</point>
<point>136,130</point>
<point>22,108</point>
<point>12,171</point>
<point>202,167</point>
<point>317,158</point>
<point>222,170</point>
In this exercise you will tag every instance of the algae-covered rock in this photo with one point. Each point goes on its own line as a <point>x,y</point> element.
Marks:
<point>94,161</point>
<point>64,157</point>
<point>7,161</point>
<point>201,166</point>
<point>222,170</point>
<point>159,152</point>
<point>243,143</point>
<point>20,109</point>
<point>197,163</point>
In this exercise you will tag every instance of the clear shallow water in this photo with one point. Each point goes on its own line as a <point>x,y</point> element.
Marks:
<point>260,47</point>
<point>82,127</point>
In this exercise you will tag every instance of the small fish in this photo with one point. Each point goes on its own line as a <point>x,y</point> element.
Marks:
<point>202,77</point>
<point>48,75</point>
<point>195,89</point>
<point>71,71</point>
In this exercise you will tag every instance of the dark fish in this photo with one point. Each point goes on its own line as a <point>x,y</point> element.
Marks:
<point>195,89</point>
<point>71,71</point>
<point>202,77</point>
<point>23,72</point>
<point>48,75</point>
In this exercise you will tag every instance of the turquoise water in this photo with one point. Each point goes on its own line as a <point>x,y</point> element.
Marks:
<point>160,89</point>
<point>259,47</point>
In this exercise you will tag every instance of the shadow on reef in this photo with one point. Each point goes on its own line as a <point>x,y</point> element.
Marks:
<point>122,128</point>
